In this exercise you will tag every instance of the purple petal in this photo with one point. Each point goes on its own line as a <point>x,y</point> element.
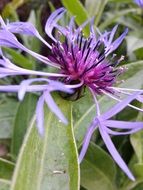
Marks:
<point>86,140</point>
<point>40,115</point>
<point>114,153</point>
<point>123,124</point>
<point>22,28</point>
<point>114,45</point>
<point>92,31</point>
<point>72,25</point>
<point>139,3</point>
<point>120,106</point>
<point>24,85</point>
<point>16,88</point>
<point>54,108</point>
<point>3,25</point>
<point>52,20</point>
<point>9,88</point>
<point>111,36</point>
<point>56,85</point>
<point>111,132</point>
<point>140,98</point>
<point>9,40</point>
<point>10,69</point>
<point>25,28</point>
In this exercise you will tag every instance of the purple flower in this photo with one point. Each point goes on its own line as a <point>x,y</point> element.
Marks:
<point>139,3</point>
<point>81,62</point>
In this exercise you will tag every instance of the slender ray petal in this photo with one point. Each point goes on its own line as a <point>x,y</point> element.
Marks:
<point>111,148</point>
<point>140,98</point>
<point>120,106</point>
<point>52,20</point>
<point>123,124</point>
<point>111,132</point>
<point>114,45</point>
<point>86,140</point>
<point>54,108</point>
<point>111,36</point>
<point>9,40</point>
<point>40,115</point>
<point>24,85</point>
<point>25,28</point>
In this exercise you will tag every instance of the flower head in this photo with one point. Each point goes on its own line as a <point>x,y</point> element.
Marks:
<point>84,60</point>
<point>81,62</point>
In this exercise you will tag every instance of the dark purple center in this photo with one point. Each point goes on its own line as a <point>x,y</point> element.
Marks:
<point>85,61</point>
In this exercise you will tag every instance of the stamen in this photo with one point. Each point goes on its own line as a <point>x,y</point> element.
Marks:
<point>81,38</point>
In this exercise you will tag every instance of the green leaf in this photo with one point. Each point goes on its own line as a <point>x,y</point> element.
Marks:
<point>18,3</point>
<point>97,170</point>
<point>9,12</point>
<point>6,169</point>
<point>77,9</point>
<point>22,120</point>
<point>49,161</point>
<point>7,114</point>
<point>4,184</point>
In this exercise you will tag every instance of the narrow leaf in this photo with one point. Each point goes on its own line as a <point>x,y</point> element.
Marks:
<point>77,9</point>
<point>95,8</point>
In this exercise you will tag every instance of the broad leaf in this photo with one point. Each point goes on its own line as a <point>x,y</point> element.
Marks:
<point>50,161</point>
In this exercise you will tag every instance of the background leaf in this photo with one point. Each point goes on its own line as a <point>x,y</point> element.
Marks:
<point>4,184</point>
<point>23,117</point>
<point>6,169</point>
<point>7,114</point>
<point>98,170</point>
<point>95,8</point>
<point>77,9</point>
